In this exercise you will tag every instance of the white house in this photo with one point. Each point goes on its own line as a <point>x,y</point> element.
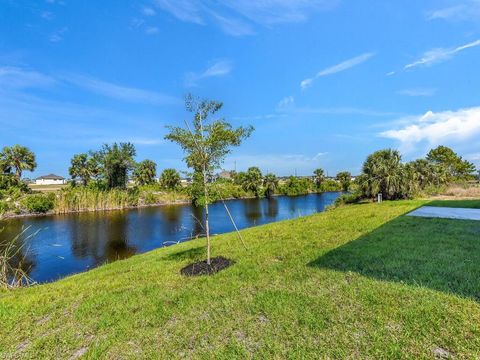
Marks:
<point>50,179</point>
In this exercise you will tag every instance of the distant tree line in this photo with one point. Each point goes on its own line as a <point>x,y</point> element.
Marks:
<point>384,173</point>
<point>113,165</point>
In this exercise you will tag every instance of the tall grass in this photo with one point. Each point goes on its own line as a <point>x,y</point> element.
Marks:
<point>86,199</point>
<point>12,261</point>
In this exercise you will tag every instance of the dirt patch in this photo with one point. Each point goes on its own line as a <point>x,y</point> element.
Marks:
<point>202,268</point>
<point>440,353</point>
<point>79,353</point>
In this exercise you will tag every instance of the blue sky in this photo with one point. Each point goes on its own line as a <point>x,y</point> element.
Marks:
<point>324,83</point>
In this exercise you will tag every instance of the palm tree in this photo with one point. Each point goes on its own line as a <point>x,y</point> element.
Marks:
<point>170,179</point>
<point>19,158</point>
<point>383,173</point>
<point>83,167</point>
<point>345,178</point>
<point>319,177</point>
<point>145,172</point>
<point>116,162</point>
<point>270,182</point>
<point>253,180</point>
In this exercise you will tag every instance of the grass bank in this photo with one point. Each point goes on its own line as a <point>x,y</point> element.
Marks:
<point>360,281</point>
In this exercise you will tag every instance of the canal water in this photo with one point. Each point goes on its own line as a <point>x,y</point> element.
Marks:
<point>72,243</point>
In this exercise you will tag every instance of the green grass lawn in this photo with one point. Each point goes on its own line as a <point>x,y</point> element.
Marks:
<point>360,281</point>
<point>472,204</point>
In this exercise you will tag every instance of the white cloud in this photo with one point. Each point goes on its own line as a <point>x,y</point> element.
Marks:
<point>271,12</point>
<point>120,92</point>
<point>345,65</point>
<point>232,26</point>
<point>17,78</point>
<point>418,92</point>
<point>440,54</point>
<point>14,77</point>
<point>234,16</point>
<point>148,11</point>
<point>151,30</point>
<point>47,15</point>
<point>286,103</point>
<point>448,127</point>
<point>184,10</point>
<point>473,157</point>
<point>466,10</point>
<point>218,69</point>
<point>58,35</point>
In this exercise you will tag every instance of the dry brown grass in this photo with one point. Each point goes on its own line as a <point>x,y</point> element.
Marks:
<point>460,191</point>
<point>47,188</point>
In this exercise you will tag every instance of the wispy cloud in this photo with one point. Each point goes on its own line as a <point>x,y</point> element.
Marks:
<point>345,65</point>
<point>436,128</point>
<point>272,12</point>
<point>286,103</point>
<point>120,92</point>
<point>241,14</point>
<point>18,78</point>
<point>148,11</point>
<point>438,55</point>
<point>151,30</point>
<point>218,69</point>
<point>288,106</point>
<point>47,15</point>
<point>232,26</point>
<point>418,92</point>
<point>463,10</point>
<point>58,35</point>
<point>184,10</point>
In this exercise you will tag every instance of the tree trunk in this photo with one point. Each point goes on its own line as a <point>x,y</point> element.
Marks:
<point>207,226</point>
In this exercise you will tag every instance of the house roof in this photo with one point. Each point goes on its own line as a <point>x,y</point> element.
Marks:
<point>50,177</point>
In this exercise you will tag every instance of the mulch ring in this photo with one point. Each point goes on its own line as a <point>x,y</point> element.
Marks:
<point>202,268</point>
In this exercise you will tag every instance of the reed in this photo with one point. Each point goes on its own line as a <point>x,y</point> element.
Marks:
<point>13,258</point>
<point>86,199</point>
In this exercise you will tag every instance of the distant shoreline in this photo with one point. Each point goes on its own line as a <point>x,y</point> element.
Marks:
<point>12,216</point>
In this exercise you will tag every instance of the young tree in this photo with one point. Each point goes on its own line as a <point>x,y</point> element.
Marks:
<point>454,165</point>
<point>319,177</point>
<point>170,179</point>
<point>116,162</point>
<point>270,182</point>
<point>206,143</point>
<point>84,167</point>
<point>253,180</point>
<point>345,178</point>
<point>145,172</point>
<point>18,158</point>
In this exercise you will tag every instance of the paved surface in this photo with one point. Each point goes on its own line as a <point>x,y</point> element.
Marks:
<point>446,213</point>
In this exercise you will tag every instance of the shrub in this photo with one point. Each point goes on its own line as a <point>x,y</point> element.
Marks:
<point>150,198</point>
<point>330,185</point>
<point>4,207</point>
<point>348,199</point>
<point>296,186</point>
<point>39,203</point>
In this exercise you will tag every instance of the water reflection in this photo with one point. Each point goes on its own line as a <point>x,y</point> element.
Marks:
<point>253,210</point>
<point>271,208</point>
<point>73,243</point>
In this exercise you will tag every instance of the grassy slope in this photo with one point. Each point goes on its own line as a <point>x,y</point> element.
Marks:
<point>347,283</point>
